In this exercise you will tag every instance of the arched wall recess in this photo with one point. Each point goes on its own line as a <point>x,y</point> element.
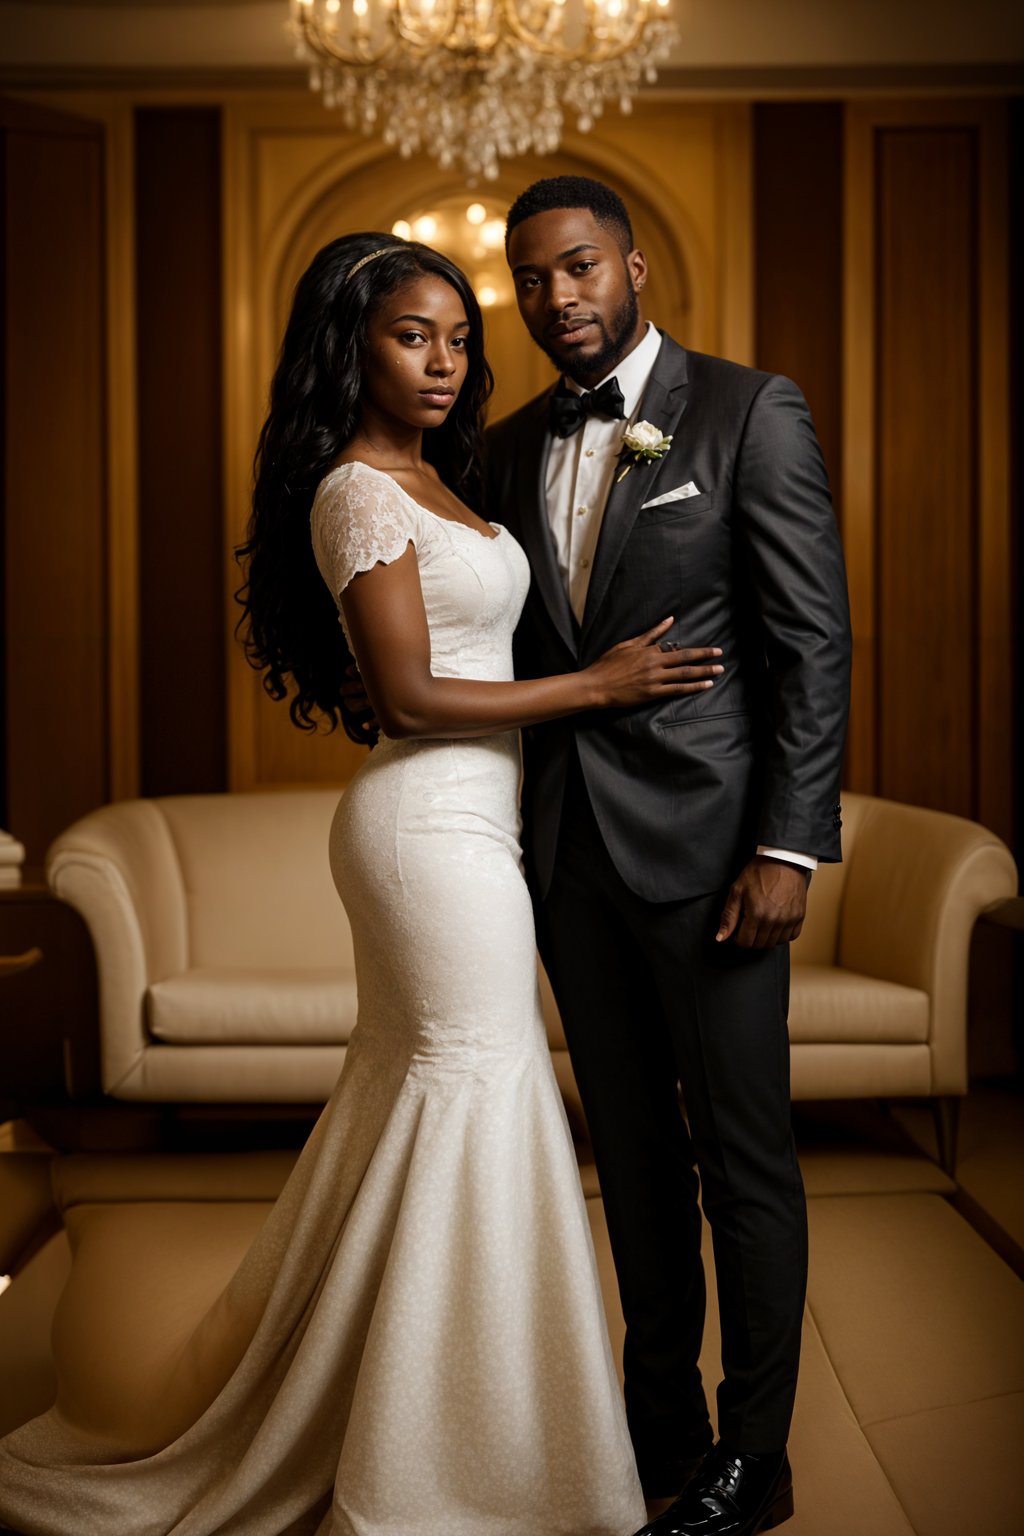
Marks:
<point>381,190</point>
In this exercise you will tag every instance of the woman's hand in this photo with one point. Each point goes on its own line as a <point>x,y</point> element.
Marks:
<point>638,671</point>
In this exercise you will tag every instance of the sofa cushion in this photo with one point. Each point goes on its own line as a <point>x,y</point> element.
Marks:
<point>828,1004</point>
<point>257,878</point>
<point>270,1005</point>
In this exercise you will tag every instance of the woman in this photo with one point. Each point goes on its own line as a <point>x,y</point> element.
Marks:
<point>414,1344</point>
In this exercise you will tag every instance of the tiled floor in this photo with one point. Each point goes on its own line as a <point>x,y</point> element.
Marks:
<point>910,1413</point>
<point>990,1164</point>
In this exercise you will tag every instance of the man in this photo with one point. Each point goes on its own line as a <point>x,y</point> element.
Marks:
<point>669,848</point>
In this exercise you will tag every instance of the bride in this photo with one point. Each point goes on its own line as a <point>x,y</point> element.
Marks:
<point>414,1345</point>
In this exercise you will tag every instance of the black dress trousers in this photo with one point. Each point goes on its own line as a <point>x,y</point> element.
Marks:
<point>649,1000</point>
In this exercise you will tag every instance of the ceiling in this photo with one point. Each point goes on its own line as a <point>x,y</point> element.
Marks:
<point>714,35</point>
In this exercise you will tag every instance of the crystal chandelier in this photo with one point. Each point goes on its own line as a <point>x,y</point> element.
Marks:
<point>472,82</point>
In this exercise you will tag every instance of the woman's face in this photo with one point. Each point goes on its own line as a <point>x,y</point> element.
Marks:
<point>417,354</point>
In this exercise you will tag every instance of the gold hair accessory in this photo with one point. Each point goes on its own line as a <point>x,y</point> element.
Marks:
<point>364,259</point>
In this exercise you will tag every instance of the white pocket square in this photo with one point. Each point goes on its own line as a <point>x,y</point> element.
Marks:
<point>680,493</point>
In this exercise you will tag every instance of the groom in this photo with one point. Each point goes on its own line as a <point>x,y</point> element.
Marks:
<point>669,848</point>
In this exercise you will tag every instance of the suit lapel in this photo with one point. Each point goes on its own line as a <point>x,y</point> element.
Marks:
<point>664,404</point>
<point>531,498</point>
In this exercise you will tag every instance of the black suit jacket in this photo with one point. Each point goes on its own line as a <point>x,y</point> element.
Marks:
<point>684,791</point>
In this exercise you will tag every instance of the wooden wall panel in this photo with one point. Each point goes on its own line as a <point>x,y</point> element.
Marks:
<point>927,510</point>
<point>798,258</point>
<point>926,456</point>
<point>54,482</point>
<point>183,731</point>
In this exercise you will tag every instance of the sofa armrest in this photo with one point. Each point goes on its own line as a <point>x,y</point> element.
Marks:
<point>916,884</point>
<point>118,869</point>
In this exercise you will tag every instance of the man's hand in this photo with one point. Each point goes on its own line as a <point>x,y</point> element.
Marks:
<point>765,906</point>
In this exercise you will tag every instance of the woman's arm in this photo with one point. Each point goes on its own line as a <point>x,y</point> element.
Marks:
<point>387,625</point>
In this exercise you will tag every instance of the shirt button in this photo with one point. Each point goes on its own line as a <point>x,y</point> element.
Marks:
<point>584,565</point>
<point>582,511</point>
<point>589,453</point>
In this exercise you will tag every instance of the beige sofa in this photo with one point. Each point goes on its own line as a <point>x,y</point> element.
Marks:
<point>226,972</point>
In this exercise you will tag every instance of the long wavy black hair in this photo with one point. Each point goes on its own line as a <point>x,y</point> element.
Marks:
<point>289,624</point>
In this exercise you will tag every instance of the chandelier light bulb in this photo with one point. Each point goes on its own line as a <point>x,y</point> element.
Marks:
<point>462,240</point>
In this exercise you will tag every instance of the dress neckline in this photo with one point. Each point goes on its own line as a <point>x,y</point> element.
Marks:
<point>452,522</point>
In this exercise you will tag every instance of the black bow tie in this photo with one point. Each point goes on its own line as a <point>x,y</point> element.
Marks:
<point>568,411</point>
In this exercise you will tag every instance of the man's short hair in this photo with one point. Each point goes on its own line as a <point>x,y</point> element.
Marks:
<point>573,192</point>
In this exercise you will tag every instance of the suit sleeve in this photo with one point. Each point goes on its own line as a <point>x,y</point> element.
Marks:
<point>791,549</point>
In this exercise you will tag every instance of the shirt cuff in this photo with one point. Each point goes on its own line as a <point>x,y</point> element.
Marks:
<point>805,860</point>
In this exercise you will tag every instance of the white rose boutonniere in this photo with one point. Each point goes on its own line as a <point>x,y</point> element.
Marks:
<point>642,443</point>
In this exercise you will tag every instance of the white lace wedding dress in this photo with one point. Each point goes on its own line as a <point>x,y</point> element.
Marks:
<point>414,1344</point>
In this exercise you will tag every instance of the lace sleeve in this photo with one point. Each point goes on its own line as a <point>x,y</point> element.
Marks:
<point>360,518</point>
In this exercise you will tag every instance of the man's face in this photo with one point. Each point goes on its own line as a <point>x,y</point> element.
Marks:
<point>576,290</point>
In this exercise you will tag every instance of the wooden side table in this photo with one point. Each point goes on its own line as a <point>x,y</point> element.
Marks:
<point>49,1010</point>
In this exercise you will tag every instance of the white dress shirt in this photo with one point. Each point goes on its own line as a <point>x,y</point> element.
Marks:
<point>581,471</point>
<point>580,474</point>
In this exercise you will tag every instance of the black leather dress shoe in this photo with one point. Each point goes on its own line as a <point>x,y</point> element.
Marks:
<point>733,1494</point>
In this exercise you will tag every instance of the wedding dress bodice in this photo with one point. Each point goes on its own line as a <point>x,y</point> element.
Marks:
<point>473,586</point>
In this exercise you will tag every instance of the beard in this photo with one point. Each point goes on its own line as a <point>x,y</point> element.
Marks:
<point>616,334</point>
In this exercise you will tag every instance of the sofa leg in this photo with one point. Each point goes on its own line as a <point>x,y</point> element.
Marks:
<point>946,1113</point>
